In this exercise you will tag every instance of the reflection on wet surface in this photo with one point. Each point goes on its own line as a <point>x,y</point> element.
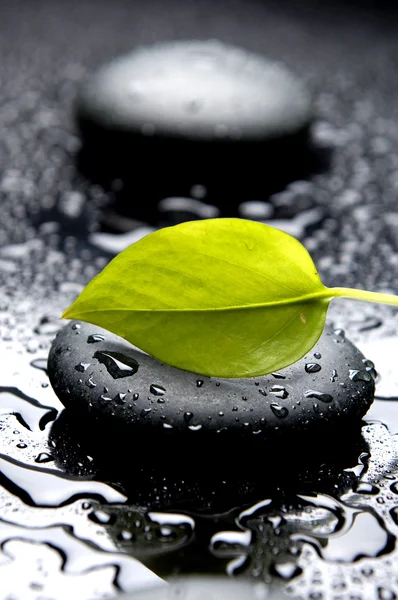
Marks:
<point>83,515</point>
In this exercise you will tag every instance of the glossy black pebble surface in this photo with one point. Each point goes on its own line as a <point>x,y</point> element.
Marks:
<point>195,90</point>
<point>95,372</point>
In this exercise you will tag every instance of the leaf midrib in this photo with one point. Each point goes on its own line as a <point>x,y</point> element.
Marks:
<point>325,294</point>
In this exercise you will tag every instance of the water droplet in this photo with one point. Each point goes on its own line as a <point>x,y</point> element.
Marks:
<point>120,398</point>
<point>125,535</point>
<point>278,375</point>
<point>104,400</point>
<point>220,413</point>
<point>367,488</point>
<point>195,427</point>
<point>157,390</point>
<point>118,365</point>
<point>263,392</point>
<point>167,426</point>
<point>318,395</point>
<point>82,366</point>
<point>40,363</point>
<point>76,326</point>
<point>339,336</point>
<point>279,411</point>
<point>95,337</point>
<point>365,537</point>
<point>145,412</point>
<point>356,375</point>
<point>101,517</point>
<point>188,416</point>
<point>136,396</point>
<point>90,383</point>
<point>199,383</point>
<point>22,445</point>
<point>333,376</point>
<point>385,594</point>
<point>312,367</point>
<point>43,457</point>
<point>279,391</point>
<point>286,570</point>
<point>317,355</point>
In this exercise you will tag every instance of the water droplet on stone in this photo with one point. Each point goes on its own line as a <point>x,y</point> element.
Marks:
<point>195,427</point>
<point>157,390</point>
<point>145,412</point>
<point>317,355</point>
<point>188,416</point>
<point>279,391</point>
<point>199,382</point>
<point>76,326</point>
<point>136,396</point>
<point>278,375</point>
<point>118,365</point>
<point>263,392</point>
<point>318,395</point>
<point>120,398</point>
<point>356,375</point>
<point>82,366</point>
<point>104,400</point>
<point>167,426</point>
<point>312,367</point>
<point>333,376</point>
<point>339,336</point>
<point>95,337</point>
<point>279,411</point>
<point>90,383</point>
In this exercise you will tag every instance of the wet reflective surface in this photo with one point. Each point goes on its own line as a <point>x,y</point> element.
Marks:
<point>84,514</point>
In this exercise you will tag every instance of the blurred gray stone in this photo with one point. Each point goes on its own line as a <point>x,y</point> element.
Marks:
<point>197,90</point>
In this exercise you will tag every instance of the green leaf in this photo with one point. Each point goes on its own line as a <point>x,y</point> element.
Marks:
<point>219,297</point>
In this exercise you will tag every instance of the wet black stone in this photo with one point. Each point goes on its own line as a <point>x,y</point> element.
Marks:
<point>195,90</point>
<point>301,403</point>
<point>176,106</point>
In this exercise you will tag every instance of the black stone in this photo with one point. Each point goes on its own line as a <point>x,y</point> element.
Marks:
<point>177,106</point>
<point>198,91</point>
<point>145,395</point>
